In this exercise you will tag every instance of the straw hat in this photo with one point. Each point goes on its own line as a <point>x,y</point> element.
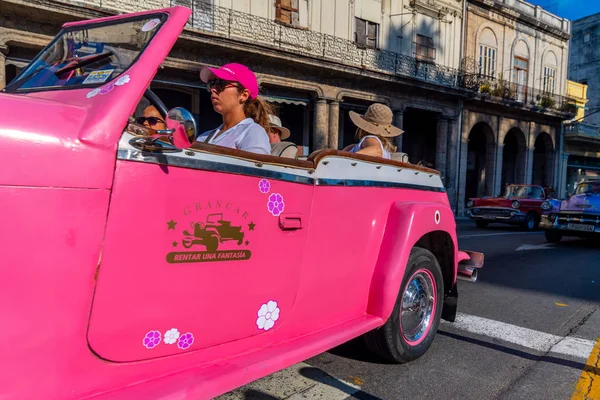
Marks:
<point>377,120</point>
<point>276,123</point>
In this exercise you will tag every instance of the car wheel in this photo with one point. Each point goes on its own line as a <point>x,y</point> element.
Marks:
<point>531,221</point>
<point>409,331</point>
<point>211,243</point>
<point>553,236</point>
<point>481,224</point>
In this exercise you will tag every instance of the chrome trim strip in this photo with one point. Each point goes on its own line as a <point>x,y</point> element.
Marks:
<point>361,183</point>
<point>195,163</point>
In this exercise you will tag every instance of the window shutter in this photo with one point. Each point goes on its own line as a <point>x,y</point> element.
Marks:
<point>295,14</point>
<point>361,32</point>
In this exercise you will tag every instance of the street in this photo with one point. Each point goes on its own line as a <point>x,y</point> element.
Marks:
<point>526,330</point>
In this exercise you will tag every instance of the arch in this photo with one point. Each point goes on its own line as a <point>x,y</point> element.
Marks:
<point>355,94</point>
<point>286,82</point>
<point>8,36</point>
<point>514,157</point>
<point>481,159</point>
<point>478,34</point>
<point>550,59</point>
<point>488,37</point>
<point>521,48</point>
<point>543,160</point>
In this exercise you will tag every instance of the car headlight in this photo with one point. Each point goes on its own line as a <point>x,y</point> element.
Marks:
<point>546,206</point>
<point>470,203</point>
<point>516,204</point>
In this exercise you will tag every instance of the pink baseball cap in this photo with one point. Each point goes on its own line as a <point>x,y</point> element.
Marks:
<point>232,72</point>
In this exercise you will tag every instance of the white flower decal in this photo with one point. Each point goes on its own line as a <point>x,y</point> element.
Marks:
<point>92,93</point>
<point>171,336</point>
<point>267,315</point>
<point>122,80</point>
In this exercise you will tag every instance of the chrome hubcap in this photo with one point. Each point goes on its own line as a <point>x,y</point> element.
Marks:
<point>418,303</point>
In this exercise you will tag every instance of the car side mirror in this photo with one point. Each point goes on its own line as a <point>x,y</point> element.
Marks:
<point>183,126</point>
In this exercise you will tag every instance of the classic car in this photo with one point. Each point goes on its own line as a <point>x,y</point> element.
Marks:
<point>578,215</point>
<point>94,309</point>
<point>519,205</point>
<point>215,231</point>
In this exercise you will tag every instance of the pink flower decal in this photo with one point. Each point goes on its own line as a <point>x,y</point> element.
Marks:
<point>185,341</point>
<point>93,93</point>
<point>122,80</point>
<point>152,339</point>
<point>275,204</point>
<point>264,186</point>
<point>107,88</point>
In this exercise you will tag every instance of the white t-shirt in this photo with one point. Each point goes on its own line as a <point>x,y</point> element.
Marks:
<point>246,135</point>
<point>384,152</point>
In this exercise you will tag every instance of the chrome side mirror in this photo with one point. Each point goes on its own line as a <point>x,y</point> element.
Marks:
<point>182,127</point>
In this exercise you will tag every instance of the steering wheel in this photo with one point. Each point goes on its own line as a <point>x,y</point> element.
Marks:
<point>156,102</point>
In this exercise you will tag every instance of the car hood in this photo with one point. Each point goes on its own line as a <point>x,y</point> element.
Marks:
<point>493,202</point>
<point>582,202</point>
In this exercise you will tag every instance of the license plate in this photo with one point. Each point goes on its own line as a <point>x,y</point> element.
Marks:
<point>580,227</point>
<point>489,217</point>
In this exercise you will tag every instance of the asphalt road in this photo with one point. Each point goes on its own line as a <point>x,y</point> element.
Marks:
<point>526,330</point>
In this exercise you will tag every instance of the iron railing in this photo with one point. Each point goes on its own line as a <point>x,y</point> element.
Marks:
<point>583,129</point>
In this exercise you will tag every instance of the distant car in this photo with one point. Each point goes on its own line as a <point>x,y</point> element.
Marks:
<point>520,205</point>
<point>578,215</point>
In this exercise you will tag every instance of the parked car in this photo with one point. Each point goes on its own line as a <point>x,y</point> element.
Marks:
<point>519,205</point>
<point>102,298</point>
<point>578,215</point>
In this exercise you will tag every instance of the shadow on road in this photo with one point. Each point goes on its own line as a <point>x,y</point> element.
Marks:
<point>322,377</point>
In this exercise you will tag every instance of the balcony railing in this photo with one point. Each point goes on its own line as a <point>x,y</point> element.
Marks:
<point>583,129</point>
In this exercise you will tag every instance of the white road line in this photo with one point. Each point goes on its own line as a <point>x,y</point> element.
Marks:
<point>529,338</point>
<point>497,234</point>
<point>300,381</point>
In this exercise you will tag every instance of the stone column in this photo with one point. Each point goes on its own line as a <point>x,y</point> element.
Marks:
<point>441,140</point>
<point>529,166</point>
<point>451,162</point>
<point>499,161</point>
<point>321,125</point>
<point>334,123</point>
<point>399,122</point>
<point>462,178</point>
<point>3,52</point>
<point>561,191</point>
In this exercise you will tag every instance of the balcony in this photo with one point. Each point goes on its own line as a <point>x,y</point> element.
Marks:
<point>583,132</point>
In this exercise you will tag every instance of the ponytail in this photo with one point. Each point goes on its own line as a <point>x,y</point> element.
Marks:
<point>259,111</point>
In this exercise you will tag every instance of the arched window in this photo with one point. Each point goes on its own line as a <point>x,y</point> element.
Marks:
<point>488,46</point>
<point>521,68</point>
<point>549,77</point>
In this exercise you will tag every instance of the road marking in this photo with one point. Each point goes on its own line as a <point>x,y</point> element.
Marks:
<point>300,381</point>
<point>529,338</point>
<point>497,234</point>
<point>544,246</point>
<point>561,304</point>
<point>588,385</point>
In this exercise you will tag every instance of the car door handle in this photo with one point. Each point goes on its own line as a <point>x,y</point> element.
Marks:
<point>290,221</point>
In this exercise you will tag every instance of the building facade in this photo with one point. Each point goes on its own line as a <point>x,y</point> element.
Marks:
<point>317,60</point>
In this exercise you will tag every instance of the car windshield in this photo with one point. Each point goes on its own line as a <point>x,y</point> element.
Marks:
<point>88,55</point>
<point>528,192</point>
<point>588,188</point>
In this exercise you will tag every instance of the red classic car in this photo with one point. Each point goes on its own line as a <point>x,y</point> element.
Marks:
<point>520,205</point>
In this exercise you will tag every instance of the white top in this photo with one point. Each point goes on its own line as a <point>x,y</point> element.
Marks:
<point>384,152</point>
<point>246,135</point>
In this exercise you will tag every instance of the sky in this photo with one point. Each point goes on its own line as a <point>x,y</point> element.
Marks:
<point>570,9</point>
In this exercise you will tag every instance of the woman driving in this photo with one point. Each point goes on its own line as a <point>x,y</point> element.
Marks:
<point>234,95</point>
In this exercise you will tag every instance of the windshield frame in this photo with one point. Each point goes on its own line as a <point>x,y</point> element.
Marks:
<point>14,86</point>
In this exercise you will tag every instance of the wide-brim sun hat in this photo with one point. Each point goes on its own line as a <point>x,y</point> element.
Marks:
<point>276,123</point>
<point>232,72</point>
<point>377,120</point>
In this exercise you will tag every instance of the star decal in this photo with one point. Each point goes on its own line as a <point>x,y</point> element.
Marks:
<point>247,243</point>
<point>175,244</point>
<point>251,226</point>
<point>171,224</point>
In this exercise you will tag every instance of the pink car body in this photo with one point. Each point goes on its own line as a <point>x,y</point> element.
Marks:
<point>143,275</point>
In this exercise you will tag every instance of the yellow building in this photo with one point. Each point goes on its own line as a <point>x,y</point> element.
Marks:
<point>578,93</point>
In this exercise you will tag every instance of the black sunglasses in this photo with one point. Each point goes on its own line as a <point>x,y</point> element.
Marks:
<point>151,120</point>
<point>220,84</point>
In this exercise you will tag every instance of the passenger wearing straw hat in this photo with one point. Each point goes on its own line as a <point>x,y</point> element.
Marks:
<point>277,134</point>
<point>374,131</point>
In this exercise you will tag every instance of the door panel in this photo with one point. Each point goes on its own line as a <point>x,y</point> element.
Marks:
<point>194,259</point>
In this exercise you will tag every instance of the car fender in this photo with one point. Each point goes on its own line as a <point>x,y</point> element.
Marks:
<point>406,224</point>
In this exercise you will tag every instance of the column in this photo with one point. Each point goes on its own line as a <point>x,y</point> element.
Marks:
<point>441,139</point>
<point>499,161</point>
<point>334,123</point>
<point>321,125</point>
<point>399,122</point>
<point>529,167</point>
<point>3,52</point>
<point>462,177</point>
<point>452,162</point>
<point>561,190</point>
<point>306,132</point>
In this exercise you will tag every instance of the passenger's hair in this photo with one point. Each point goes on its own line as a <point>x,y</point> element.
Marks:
<point>258,110</point>
<point>387,143</point>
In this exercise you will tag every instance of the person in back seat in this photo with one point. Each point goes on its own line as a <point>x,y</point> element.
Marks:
<point>374,131</point>
<point>277,133</point>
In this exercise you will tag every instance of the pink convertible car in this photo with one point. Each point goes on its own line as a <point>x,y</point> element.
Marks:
<point>139,264</point>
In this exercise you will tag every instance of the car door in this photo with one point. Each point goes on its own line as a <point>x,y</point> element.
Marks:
<point>200,249</point>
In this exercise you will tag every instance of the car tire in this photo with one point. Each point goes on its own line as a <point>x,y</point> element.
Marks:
<point>531,221</point>
<point>407,337</point>
<point>212,243</point>
<point>481,224</point>
<point>553,236</point>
